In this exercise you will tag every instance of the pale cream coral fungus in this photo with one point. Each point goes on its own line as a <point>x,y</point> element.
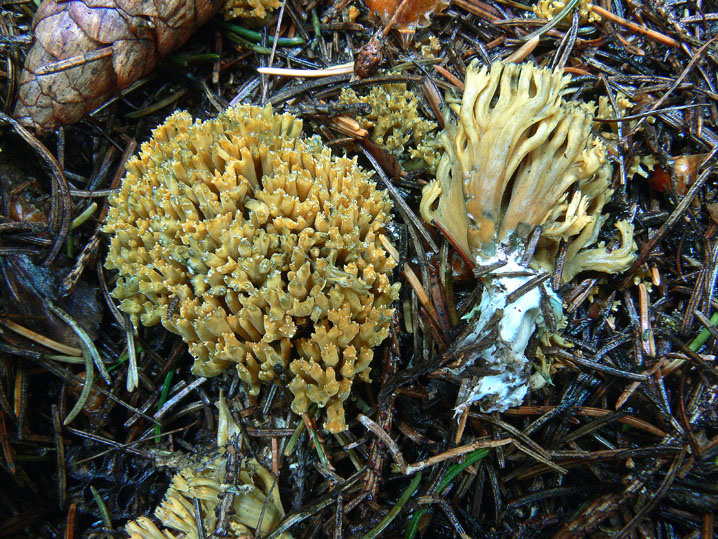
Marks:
<point>518,157</point>
<point>267,243</point>
<point>512,160</point>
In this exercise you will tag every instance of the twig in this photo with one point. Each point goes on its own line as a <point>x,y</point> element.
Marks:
<point>345,69</point>
<point>456,452</point>
<point>384,437</point>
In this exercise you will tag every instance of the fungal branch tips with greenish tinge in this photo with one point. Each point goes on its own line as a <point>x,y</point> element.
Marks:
<point>260,249</point>
<point>519,156</point>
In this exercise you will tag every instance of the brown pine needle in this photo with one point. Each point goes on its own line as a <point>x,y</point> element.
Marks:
<point>421,294</point>
<point>350,127</point>
<point>651,34</point>
<point>589,412</point>
<point>450,77</point>
<point>520,54</point>
<point>41,339</point>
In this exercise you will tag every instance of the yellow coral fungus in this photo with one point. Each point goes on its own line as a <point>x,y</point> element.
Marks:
<point>269,246</point>
<point>511,160</point>
<point>520,156</point>
<point>395,121</point>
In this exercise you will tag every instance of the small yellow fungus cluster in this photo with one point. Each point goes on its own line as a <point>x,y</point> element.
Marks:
<point>249,9</point>
<point>395,122</point>
<point>260,249</point>
<point>548,9</point>
<point>638,165</point>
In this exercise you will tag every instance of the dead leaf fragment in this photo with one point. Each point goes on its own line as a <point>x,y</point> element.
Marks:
<point>414,14</point>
